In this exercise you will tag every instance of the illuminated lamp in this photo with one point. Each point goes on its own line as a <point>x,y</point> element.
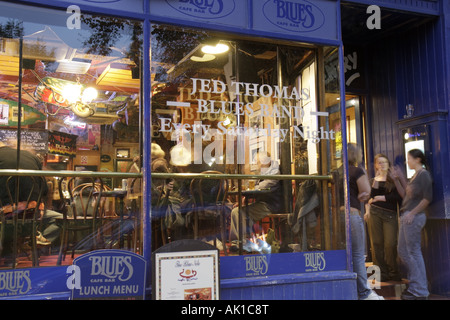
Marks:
<point>217,49</point>
<point>206,57</point>
<point>71,93</point>
<point>89,95</point>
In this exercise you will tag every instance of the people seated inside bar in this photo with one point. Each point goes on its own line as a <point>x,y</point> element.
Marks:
<point>264,203</point>
<point>228,109</point>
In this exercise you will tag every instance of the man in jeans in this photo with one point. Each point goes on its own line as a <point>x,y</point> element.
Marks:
<point>264,204</point>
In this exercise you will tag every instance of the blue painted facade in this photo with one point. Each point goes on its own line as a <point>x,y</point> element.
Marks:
<point>411,67</point>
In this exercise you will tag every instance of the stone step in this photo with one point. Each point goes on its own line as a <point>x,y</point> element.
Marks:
<point>392,290</point>
<point>389,289</point>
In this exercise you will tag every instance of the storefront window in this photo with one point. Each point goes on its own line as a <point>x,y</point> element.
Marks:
<point>245,143</point>
<point>70,89</point>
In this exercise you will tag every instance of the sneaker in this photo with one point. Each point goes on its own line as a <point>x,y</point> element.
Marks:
<point>409,296</point>
<point>373,296</point>
<point>40,240</point>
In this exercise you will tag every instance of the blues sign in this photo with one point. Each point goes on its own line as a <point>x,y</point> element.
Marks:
<point>109,274</point>
<point>257,265</point>
<point>206,9</point>
<point>296,16</point>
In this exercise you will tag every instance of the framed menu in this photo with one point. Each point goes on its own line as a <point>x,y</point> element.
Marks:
<point>188,275</point>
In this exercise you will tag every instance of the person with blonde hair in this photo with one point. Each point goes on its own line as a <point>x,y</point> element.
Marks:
<point>385,197</point>
<point>359,192</point>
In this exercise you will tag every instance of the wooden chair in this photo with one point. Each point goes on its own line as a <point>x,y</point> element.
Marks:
<point>22,210</point>
<point>209,198</point>
<point>274,221</point>
<point>80,213</point>
<point>135,214</point>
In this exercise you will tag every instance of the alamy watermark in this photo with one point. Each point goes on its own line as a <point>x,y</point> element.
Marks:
<point>74,20</point>
<point>373,276</point>
<point>374,20</point>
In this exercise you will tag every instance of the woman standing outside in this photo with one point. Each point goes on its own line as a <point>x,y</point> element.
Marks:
<point>385,199</point>
<point>359,192</point>
<point>412,220</point>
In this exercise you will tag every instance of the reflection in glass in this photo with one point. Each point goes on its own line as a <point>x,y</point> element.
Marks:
<point>72,96</point>
<point>252,108</point>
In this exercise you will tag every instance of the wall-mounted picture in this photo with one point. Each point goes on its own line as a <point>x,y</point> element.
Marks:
<point>121,165</point>
<point>122,153</point>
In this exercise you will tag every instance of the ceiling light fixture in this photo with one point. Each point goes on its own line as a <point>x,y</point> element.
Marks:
<point>72,92</point>
<point>217,49</point>
<point>89,95</point>
<point>206,57</point>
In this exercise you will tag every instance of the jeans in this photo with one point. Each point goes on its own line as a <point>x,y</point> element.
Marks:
<point>256,211</point>
<point>51,228</point>
<point>358,253</point>
<point>383,228</point>
<point>410,252</point>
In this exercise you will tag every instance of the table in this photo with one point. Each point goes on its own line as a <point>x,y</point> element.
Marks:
<point>247,194</point>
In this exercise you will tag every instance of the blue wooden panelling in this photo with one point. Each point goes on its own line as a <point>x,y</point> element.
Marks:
<point>437,255</point>
<point>338,285</point>
<point>419,53</point>
<point>407,69</point>
<point>412,68</point>
<point>419,6</point>
<point>332,290</point>
<point>383,102</point>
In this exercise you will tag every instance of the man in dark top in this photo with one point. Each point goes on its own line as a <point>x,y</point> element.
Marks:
<point>8,160</point>
<point>28,161</point>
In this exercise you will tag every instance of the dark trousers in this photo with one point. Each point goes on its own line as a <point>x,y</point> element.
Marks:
<point>383,231</point>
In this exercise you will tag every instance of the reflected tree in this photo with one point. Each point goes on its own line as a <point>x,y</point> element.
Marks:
<point>107,31</point>
<point>11,29</point>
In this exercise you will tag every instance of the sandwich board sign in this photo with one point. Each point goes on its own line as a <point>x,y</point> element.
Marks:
<point>109,275</point>
<point>186,270</point>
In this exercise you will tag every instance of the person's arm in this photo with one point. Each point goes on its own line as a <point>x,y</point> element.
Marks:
<point>399,181</point>
<point>424,181</point>
<point>266,184</point>
<point>409,217</point>
<point>363,188</point>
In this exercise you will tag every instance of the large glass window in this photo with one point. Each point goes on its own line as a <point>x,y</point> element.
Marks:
<point>69,102</point>
<point>245,140</point>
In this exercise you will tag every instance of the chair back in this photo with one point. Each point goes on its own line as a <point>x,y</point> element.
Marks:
<point>209,195</point>
<point>24,197</point>
<point>22,204</point>
<point>80,201</point>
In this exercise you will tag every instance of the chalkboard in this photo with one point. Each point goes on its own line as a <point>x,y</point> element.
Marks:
<point>35,141</point>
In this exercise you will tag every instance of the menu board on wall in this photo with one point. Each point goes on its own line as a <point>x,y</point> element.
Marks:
<point>189,275</point>
<point>35,141</point>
